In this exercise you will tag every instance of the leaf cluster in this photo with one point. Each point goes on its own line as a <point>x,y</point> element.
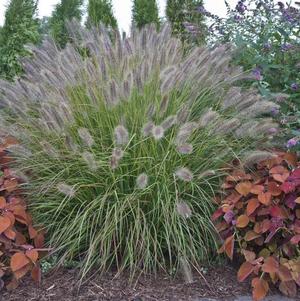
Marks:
<point>259,220</point>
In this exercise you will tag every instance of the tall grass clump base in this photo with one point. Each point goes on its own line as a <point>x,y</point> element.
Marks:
<point>124,146</point>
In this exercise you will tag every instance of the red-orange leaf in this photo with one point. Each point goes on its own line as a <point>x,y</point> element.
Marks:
<point>281,178</point>
<point>278,170</point>
<point>295,239</point>
<point>39,241</point>
<point>265,198</point>
<point>257,189</point>
<point>270,265</point>
<point>252,205</point>
<point>251,235</point>
<point>36,274</point>
<point>9,233</point>
<point>242,221</point>
<point>18,261</point>
<point>291,158</point>
<point>244,188</point>
<point>260,288</point>
<point>4,223</point>
<point>33,255</point>
<point>284,273</point>
<point>228,246</point>
<point>21,215</point>
<point>10,185</point>
<point>32,232</point>
<point>274,188</point>
<point>266,225</point>
<point>22,271</point>
<point>2,202</point>
<point>244,271</point>
<point>249,255</point>
<point>288,288</point>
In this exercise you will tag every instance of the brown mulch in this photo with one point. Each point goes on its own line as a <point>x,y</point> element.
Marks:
<point>220,282</point>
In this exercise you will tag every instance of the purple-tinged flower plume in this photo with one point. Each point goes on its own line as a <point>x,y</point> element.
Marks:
<point>184,174</point>
<point>121,135</point>
<point>292,142</point>
<point>295,86</point>
<point>142,181</point>
<point>89,159</point>
<point>66,189</point>
<point>85,136</point>
<point>158,132</point>
<point>257,74</point>
<point>185,149</point>
<point>286,47</point>
<point>184,209</point>
<point>275,111</point>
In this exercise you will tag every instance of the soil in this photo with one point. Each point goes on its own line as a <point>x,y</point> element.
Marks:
<point>217,282</point>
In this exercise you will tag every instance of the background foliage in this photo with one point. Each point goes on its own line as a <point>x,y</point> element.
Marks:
<point>100,11</point>
<point>186,19</point>
<point>144,12</point>
<point>20,28</point>
<point>266,37</point>
<point>258,219</point>
<point>64,11</point>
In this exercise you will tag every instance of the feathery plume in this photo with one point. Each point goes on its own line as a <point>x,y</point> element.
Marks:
<point>66,189</point>
<point>147,129</point>
<point>121,135</point>
<point>169,122</point>
<point>186,270</point>
<point>49,149</point>
<point>185,132</point>
<point>158,132</point>
<point>151,111</point>
<point>118,153</point>
<point>228,126</point>
<point>252,158</point>
<point>183,209</point>
<point>208,118</point>
<point>183,114</point>
<point>164,105</point>
<point>85,136</point>
<point>184,174</point>
<point>114,162</point>
<point>207,173</point>
<point>142,181</point>
<point>185,149</point>
<point>89,159</point>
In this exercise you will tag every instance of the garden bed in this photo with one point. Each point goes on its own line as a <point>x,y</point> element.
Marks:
<point>220,282</point>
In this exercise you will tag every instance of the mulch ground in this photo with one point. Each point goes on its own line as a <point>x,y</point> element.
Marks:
<point>219,282</point>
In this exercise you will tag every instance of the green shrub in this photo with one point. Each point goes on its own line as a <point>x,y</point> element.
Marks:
<point>125,147</point>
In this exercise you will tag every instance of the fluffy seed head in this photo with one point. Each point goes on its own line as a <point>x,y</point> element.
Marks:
<point>142,181</point>
<point>185,149</point>
<point>118,153</point>
<point>147,129</point>
<point>85,136</point>
<point>89,159</point>
<point>183,209</point>
<point>121,135</point>
<point>169,122</point>
<point>186,270</point>
<point>184,174</point>
<point>66,189</point>
<point>255,157</point>
<point>158,132</point>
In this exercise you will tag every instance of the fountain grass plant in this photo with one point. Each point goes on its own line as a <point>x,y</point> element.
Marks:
<point>124,146</point>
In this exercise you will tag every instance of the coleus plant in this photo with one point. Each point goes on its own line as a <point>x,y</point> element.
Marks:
<point>259,221</point>
<point>21,245</point>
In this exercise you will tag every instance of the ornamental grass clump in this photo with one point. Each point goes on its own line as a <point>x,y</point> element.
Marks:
<point>125,145</point>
